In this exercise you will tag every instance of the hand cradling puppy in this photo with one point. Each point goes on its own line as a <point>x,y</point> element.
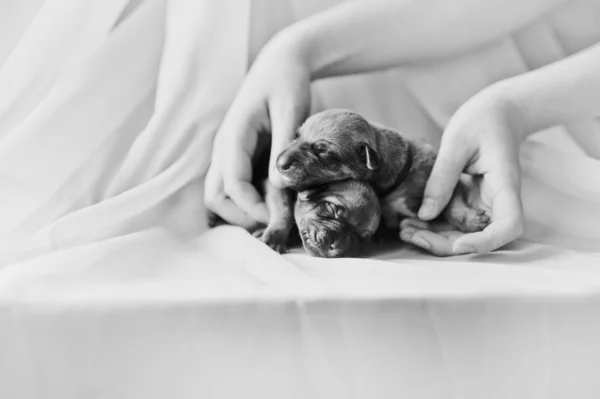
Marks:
<point>335,145</point>
<point>348,174</point>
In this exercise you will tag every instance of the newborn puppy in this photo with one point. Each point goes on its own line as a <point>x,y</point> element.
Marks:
<point>335,145</point>
<point>333,219</point>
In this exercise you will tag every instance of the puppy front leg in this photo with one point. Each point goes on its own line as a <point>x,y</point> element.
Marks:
<point>281,218</point>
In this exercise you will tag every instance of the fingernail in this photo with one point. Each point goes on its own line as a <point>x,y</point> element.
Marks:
<point>420,242</point>
<point>427,210</point>
<point>463,249</point>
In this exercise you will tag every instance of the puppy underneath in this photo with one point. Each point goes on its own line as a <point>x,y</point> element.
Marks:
<point>335,145</point>
<point>333,219</point>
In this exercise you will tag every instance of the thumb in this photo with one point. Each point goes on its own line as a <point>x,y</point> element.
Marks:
<point>286,116</point>
<point>449,165</point>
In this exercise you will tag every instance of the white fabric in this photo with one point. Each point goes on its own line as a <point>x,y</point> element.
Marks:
<point>111,287</point>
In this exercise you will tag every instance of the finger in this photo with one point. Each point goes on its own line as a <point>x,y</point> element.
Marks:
<point>436,243</point>
<point>215,201</point>
<point>238,187</point>
<point>248,200</point>
<point>452,158</point>
<point>436,239</point>
<point>414,224</point>
<point>286,116</point>
<point>442,227</point>
<point>506,226</point>
<point>231,213</point>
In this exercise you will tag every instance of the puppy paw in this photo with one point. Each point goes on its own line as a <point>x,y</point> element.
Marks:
<point>276,239</point>
<point>475,220</point>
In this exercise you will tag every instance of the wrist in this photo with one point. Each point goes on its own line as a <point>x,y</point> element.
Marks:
<point>314,49</point>
<point>289,46</point>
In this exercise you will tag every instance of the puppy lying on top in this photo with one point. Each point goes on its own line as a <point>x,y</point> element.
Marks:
<point>335,145</point>
<point>333,219</point>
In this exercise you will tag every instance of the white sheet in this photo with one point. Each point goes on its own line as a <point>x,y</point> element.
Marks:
<point>110,287</point>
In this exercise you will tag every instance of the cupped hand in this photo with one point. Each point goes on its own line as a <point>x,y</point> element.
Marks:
<point>482,139</point>
<point>274,97</point>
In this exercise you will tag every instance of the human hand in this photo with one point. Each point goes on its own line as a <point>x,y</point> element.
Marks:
<point>482,139</point>
<point>274,97</point>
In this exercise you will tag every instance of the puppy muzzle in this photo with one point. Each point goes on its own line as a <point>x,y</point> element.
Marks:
<point>288,160</point>
<point>323,244</point>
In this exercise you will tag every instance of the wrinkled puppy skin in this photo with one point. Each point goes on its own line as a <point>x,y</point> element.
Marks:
<point>330,146</point>
<point>335,145</point>
<point>333,219</point>
<point>337,219</point>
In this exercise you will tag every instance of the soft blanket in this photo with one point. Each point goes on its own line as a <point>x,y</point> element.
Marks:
<point>112,287</point>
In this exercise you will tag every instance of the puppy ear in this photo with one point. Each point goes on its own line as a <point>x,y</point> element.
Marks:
<point>371,157</point>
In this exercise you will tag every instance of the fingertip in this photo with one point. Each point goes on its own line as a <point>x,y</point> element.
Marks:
<point>407,233</point>
<point>420,242</point>
<point>429,209</point>
<point>438,192</point>
<point>445,175</point>
<point>276,179</point>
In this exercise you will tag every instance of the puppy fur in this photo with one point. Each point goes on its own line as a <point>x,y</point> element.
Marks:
<point>333,219</point>
<point>336,145</point>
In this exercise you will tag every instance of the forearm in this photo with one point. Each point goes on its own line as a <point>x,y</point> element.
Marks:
<point>366,35</point>
<point>561,93</point>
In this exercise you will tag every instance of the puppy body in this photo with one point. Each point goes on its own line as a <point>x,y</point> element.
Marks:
<point>401,179</point>
<point>337,219</point>
<point>340,144</point>
<point>333,219</point>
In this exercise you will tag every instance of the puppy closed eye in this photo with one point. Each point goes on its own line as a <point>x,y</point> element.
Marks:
<point>322,150</point>
<point>335,210</point>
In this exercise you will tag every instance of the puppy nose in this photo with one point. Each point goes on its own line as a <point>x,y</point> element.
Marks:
<point>285,161</point>
<point>324,240</point>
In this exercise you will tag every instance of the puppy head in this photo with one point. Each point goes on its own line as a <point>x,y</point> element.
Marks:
<point>336,219</point>
<point>330,146</point>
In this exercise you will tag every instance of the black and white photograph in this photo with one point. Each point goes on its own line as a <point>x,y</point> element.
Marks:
<point>299,199</point>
